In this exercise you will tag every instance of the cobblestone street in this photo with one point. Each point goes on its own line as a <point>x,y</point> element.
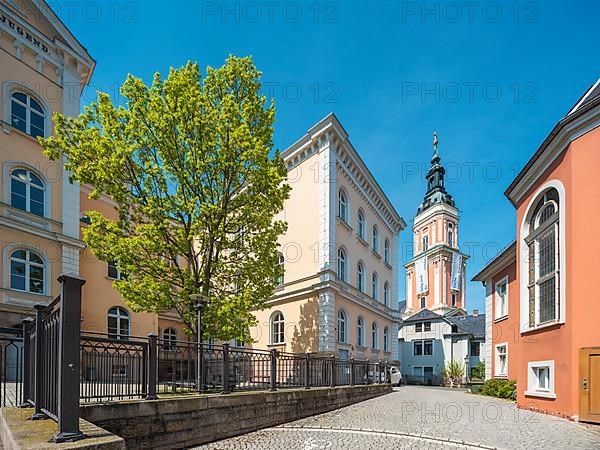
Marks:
<point>423,418</point>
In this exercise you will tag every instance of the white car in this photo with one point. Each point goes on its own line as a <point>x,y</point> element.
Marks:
<point>395,377</point>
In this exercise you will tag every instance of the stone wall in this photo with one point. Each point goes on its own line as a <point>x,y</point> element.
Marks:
<point>186,421</point>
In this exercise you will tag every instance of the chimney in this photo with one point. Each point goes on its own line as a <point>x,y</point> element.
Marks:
<point>475,312</point>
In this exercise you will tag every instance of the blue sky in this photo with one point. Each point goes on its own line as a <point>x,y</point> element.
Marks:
<point>491,77</point>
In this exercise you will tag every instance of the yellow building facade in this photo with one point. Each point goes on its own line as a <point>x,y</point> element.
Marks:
<point>340,254</point>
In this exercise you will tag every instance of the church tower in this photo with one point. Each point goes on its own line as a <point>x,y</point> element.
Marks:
<point>435,276</point>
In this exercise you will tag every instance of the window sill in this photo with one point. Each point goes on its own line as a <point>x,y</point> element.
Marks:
<point>376,254</point>
<point>388,265</point>
<point>37,294</point>
<point>541,394</point>
<point>501,319</point>
<point>8,128</point>
<point>344,224</point>
<point>276,345</point>
<point>555,324</point>
<point>501,377</point>
<point>362,241</point>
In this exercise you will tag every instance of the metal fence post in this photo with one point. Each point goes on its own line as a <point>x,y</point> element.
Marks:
<point>332,381</point>
<point>307,371</point>
<point>385,373</point>
<point>152,366</point>
<point>273,369</point>
<point>352,380</point>
<point>379,372</point>
<point>37,369</point>
<point>27,377</point>
<point>69,359</point>
<point>226,389</point>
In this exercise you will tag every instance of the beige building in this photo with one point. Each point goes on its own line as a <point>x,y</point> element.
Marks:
<point>340,288</point>
<point>340,254</point>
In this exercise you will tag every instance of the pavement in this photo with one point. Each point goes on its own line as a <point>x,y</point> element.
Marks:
<point>414,417</point>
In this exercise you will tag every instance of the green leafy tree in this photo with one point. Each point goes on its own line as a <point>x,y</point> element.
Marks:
<point>188,163</point>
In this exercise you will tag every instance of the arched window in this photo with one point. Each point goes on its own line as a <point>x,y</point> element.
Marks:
<point>27,271</point>
<point>375,238</point>
<point>387,251</point>
<point>360,332</point>
<point>341,326</point>
<point>27,115</point>
<point>277,328</point>
<point>281,264</point>
<point>386,339</point>
<point>360,276</point>
<point>450,234</point>
<point>544,254</point>
<point>374,339</point>
<point>386,293</point>
<point>375,286</point>
<point>119,323</point>
<point>361,224</point>
<point>170,339</point>
<point>343,205</point>
<point>27,191</point>
<point>342,265</point>
<point>453,299</point>
<point>423,302</point>
<point>425,243</point>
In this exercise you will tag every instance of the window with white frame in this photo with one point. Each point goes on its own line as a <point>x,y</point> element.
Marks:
<point>374,336</point>
<point>360,332</point>
<point>27,191</point>
<point>386,251</point>
<point>501,293</point>
<point>27,271</point>
<point>386,293</point>
<point>450,237</point>
<point>501,360</point>
<point>170,339</point>
<point>281,264</point>
<point>277,328</point>
<point>425,243</point>
<point>375,240</point>
<point>342,264</point>
<point>27,115</point>
<point>361,225</point>
<point>375,286</point>
<point>343,205</point>
<point>543,262</point>
<point>360,276</point>
<point>119,323</point>
<point>386,339</point>
<point>342,324</point>
<point>540,379</point>
<point>114,273</point>
<point>423,347</point>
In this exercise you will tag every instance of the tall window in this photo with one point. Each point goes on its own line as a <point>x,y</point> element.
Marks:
<point>453,299</point>
<point>425,243</point>
<point>475,349</point>
<point>374,332</point>
<point>501,361</point>
<point>375,286</point>
<point>280,263</point>
<point>27,271</point>
<point>386,339</point>
<point>277,328</point>
<point>360,277</point>
<point>341,326</point>
<point>342,264</point>
<point>170,339</point>
<point>119,323</point>
<point>360,332</point>
<point>423,302</point>
<point>501,298</point>
<point>27,115</point>
<point>27,191</point>
<point>375,238</point>
<point>450,234</point>
<point>543,284</point>
<point>386,293</point>
<point>343,205</point>
<point>361,224</point>
<point>386,251</point>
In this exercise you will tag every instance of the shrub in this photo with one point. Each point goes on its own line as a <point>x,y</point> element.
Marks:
<point>500,388</point>
<point>453,372</point>
<point>479,371</point>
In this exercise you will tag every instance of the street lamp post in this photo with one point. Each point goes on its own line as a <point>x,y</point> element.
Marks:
<point>201,301</point>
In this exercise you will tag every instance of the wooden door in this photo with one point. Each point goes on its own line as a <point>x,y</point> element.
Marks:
<point>589,384</point>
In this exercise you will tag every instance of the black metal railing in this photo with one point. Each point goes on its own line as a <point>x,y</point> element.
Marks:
<point>11,367</point>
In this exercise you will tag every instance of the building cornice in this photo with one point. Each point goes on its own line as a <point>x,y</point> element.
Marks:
<point>437,250</point>
<point>329,131</point>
